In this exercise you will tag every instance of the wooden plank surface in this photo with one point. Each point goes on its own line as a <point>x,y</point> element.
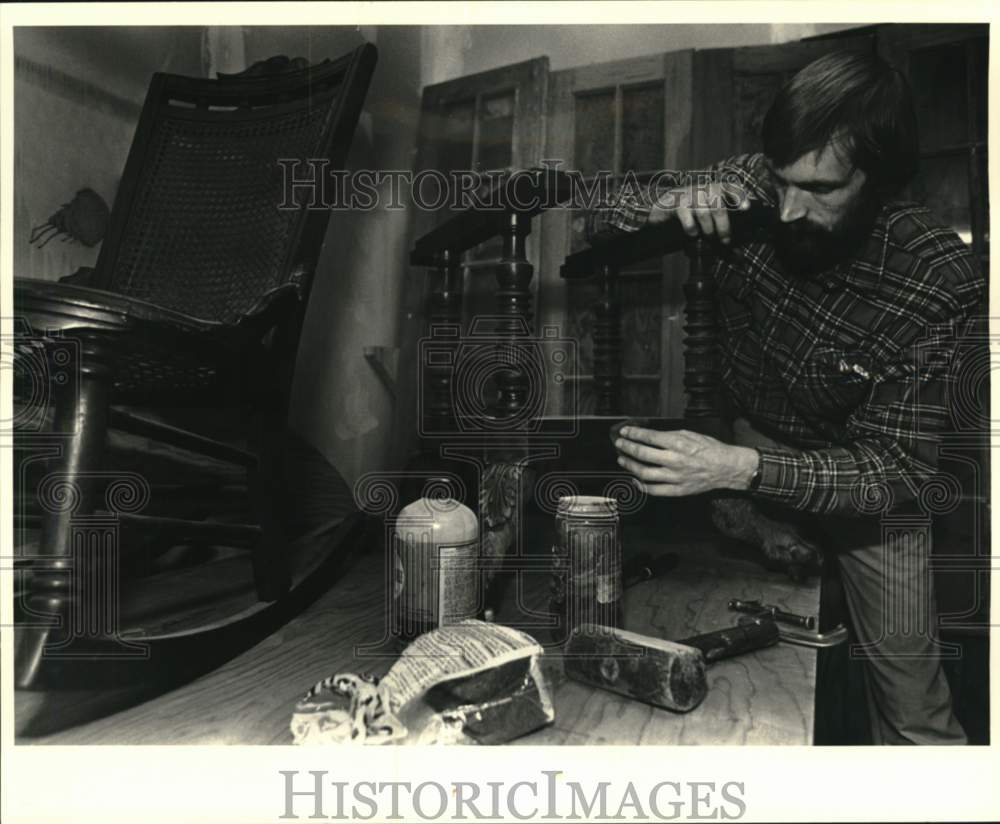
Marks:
<point>760,698</point>
<point>249,699</point>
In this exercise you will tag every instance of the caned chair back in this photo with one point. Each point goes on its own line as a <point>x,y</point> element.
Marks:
<point>204,223</point>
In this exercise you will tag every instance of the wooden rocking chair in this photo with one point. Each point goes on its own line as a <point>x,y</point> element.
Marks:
<point>197,301</point>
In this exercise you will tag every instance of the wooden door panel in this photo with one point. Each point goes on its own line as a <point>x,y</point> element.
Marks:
<point>617,117</point>
<point>490,121</point>
<point>754,95</point>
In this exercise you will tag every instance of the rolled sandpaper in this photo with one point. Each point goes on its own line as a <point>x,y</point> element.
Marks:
<point>667,674</point>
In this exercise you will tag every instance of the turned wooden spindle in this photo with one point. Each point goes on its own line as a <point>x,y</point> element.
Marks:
<point>52,596</point>
<point>702,365</point>
<point>701,355</point>
<point>608,342</point>
<point>444,319</point>
<point>514,273</point>
<point>513,390</point>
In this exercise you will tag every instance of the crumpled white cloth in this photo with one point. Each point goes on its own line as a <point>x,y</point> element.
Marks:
<point>357,712</point>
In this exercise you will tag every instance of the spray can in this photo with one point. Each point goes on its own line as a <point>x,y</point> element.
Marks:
<point>436,571</point>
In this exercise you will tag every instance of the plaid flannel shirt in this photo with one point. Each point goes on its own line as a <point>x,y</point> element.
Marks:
<point>852,369</point>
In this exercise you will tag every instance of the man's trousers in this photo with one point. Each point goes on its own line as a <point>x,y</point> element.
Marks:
<point>884,566</point>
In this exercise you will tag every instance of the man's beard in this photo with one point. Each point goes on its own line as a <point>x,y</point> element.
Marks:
<point>806,249</point>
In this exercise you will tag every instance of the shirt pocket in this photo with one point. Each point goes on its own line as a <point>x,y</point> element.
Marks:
<point>834,381</point>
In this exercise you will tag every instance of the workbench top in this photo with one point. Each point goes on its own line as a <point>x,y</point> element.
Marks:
<point>767,697</point>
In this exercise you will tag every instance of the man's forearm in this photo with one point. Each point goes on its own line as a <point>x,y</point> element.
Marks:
<point>863,479</point>
<point>633,206</point>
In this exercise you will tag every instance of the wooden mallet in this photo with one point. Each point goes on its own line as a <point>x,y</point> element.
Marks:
<point>669,674</point>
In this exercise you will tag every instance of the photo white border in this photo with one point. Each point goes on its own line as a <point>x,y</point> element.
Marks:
<point>191,784</point>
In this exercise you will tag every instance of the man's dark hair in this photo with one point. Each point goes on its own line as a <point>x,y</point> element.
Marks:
<point>858,98</point>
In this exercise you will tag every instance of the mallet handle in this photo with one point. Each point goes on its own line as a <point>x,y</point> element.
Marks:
<point>725,643</point>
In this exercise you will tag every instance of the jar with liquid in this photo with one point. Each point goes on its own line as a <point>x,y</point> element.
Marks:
<point>586,564</point>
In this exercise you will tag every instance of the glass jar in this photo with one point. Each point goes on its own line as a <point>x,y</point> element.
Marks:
<point>586,564</point>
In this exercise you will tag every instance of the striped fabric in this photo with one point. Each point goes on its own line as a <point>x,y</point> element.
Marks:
<point>851,368</point>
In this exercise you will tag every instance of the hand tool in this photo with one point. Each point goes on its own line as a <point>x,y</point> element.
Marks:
<point>669,674</point>
<point>758,608</point>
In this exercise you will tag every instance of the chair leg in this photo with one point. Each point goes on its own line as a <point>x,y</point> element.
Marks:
<point>83,418</point>
<point>271,574</point>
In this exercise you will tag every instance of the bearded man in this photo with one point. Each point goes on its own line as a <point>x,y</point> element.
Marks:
<point>824,329</point>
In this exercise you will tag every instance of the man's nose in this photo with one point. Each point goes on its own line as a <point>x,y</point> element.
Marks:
<point>792,205</point>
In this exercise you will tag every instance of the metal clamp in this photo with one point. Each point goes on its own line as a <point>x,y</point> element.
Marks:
<point>794,629</point>
<point>802,637</point>
<point>758,608</point>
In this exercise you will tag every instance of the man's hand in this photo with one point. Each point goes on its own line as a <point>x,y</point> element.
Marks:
<point>672,464</point>
<point>702,208</point>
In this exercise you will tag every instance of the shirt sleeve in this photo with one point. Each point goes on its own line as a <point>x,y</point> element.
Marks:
<point>892,446</point>
<point>627,208</point>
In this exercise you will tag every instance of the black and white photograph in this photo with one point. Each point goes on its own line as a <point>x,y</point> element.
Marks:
<point>613,389</point>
